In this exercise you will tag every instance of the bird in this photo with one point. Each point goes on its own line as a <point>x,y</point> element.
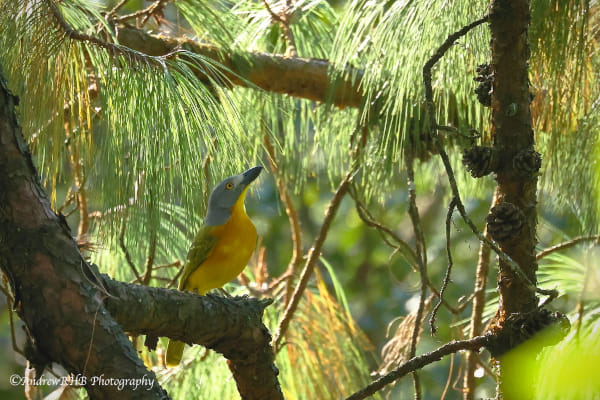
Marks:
<point>221,248</point>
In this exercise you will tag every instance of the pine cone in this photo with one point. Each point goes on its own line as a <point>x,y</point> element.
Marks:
<point>527,162</point>
<point>484,89</point>
<point>480,161</point>
<point>504,221</point>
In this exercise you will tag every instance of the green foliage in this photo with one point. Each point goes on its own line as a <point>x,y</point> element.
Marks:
<point>390,43</point>
<point>564,78</point>
<point>149,140</point>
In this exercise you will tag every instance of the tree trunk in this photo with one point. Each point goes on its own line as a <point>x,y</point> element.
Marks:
<point>512,222</point>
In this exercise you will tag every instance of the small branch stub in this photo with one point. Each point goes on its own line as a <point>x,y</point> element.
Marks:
<point>527,162</point>
<point>504,222</point>
<point>484,89</point>
<point>480,161</point>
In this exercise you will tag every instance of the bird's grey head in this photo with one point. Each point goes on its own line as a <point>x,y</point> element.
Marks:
<point>225,195</point>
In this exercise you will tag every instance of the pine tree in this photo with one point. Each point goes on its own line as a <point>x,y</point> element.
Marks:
<point>132,114</point>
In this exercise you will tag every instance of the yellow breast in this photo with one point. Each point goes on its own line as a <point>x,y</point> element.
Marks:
<point>235,245</point>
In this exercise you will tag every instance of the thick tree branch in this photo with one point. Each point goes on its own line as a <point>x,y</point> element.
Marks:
<point>299,77</point>
<point>230,326</point>
<point>75,317</point>
<point>56,294</point>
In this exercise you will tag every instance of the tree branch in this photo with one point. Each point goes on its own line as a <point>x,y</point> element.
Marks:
<point>315,251</point>
<point>56,294</point>
<point>419,362</point>
<point>516,268</point>
<point>566,245</point>
<point>71,312</point>
<point>313,256</point>
<point>300,77</point>
<point>230,326</point>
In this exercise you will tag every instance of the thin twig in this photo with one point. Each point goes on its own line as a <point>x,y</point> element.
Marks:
<point>388,235</point>
<point>481,273</point>
<point>145,13</point>
<point>313,256</point>
<point>449,42</point>
<point>114,10</point>
<point>176,263</point>
<point>157,5</point>
<point>284,20</point>
<point>75,35</point>
<point>446,281</point>
<point>449,380</point>
<point>421,251</point>
<point>315,251</point>
<point>566,245</point>
<point>126,252</point>
<point>421,361</point>
<point>290,210</point>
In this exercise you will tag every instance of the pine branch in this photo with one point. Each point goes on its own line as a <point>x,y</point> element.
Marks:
<point>313,256</point>
<point>75,317</point>
<point>419,362</point>
<point>315,250</point>
<point>57,294</point>
<point>446,161</point>
<point>230,326</point>
<point>566,245</point>
<point>300,77</point>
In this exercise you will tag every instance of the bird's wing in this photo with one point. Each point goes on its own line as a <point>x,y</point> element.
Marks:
<point>201,247</point>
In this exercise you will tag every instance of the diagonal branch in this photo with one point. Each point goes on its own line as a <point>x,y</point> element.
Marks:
<point>75,317</point>
<point>313,257</point>
<point>419,362</point>
<point>315,251</point>
<point>566,245</point>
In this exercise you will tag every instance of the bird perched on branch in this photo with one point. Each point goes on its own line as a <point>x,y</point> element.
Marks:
<point>222,247</point>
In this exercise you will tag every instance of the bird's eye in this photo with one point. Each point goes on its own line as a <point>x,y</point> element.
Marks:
<point>229,185</point>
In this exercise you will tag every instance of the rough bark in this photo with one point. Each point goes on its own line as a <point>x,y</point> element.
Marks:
<point>513,134</point>
<point>69,310</point>
<point>515,220</point>
<point>230,326</point>
<point>300,77</point>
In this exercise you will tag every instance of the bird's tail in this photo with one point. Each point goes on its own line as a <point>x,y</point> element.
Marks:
<point>174,353</point>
